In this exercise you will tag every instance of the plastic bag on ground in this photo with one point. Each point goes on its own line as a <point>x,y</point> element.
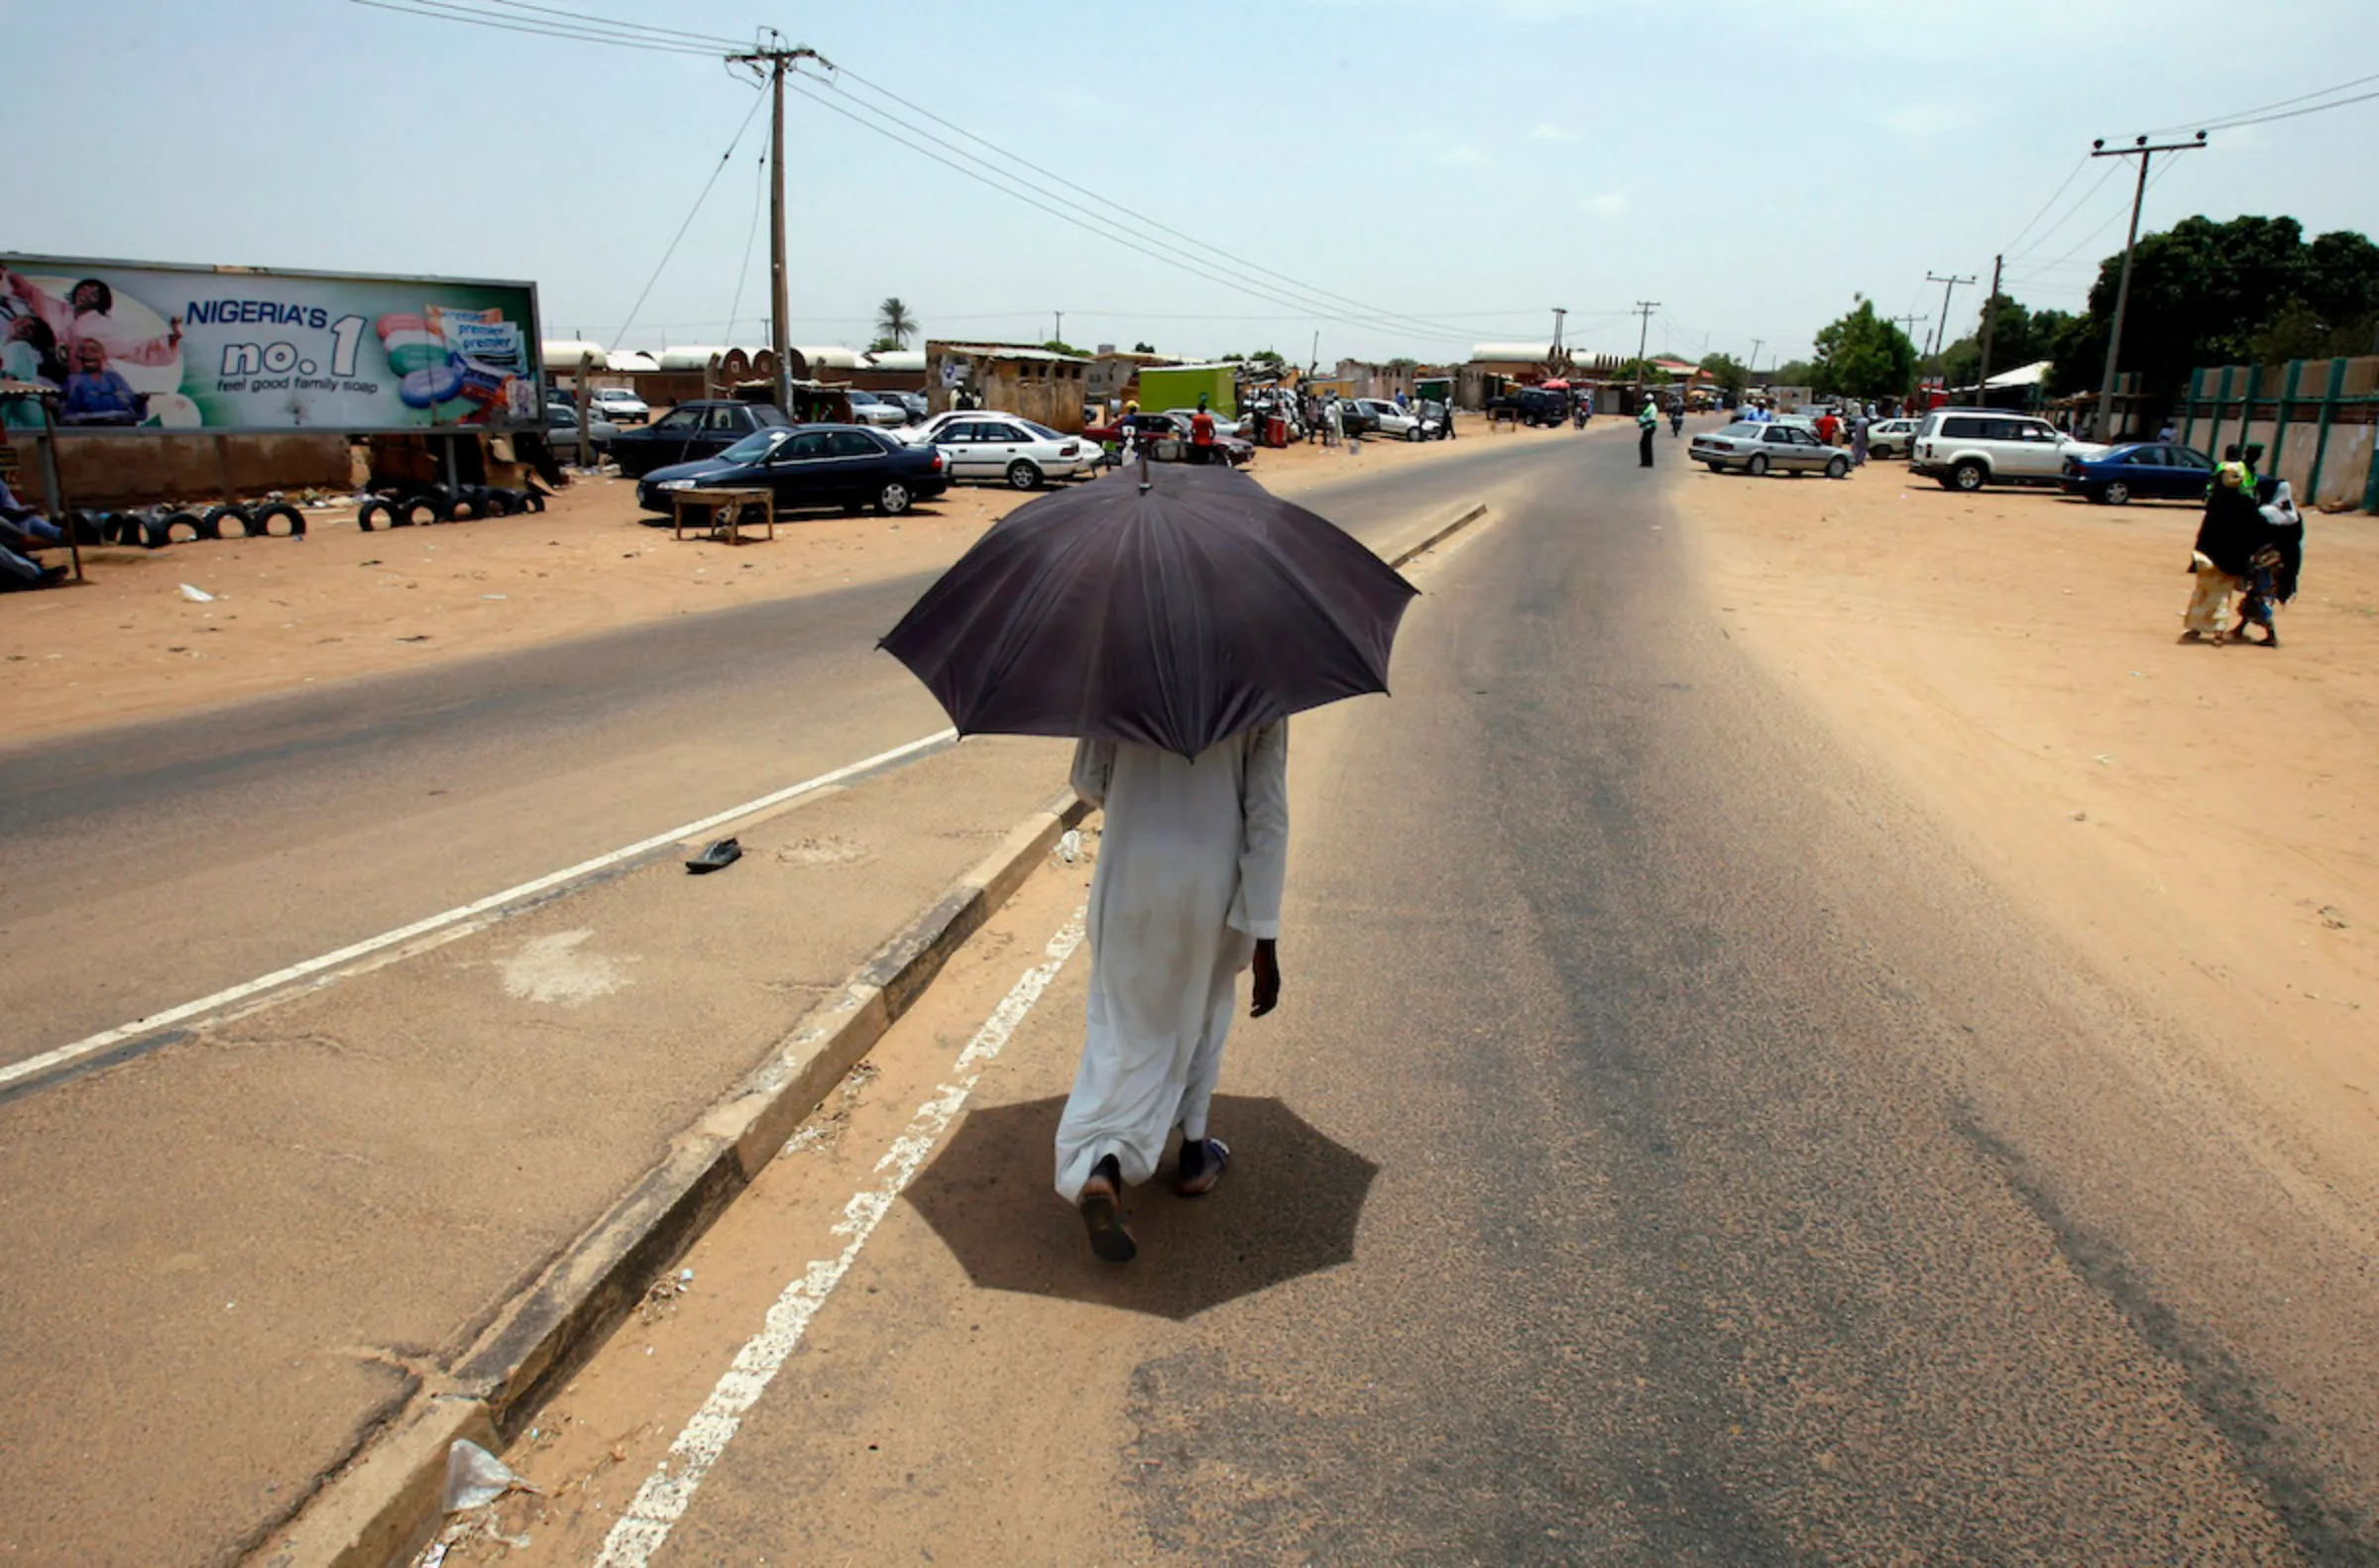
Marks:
<point>475,1477</point>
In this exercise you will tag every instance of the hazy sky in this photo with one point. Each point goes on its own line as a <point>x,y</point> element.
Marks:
<point>1462,167</point>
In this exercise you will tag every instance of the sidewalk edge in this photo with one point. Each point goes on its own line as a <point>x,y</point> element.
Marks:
<point>383,1503</point>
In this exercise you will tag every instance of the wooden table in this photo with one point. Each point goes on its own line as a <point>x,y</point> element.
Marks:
<point>726,508</point>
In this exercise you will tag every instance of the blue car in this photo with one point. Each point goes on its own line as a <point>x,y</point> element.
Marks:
<point>2147,470</point>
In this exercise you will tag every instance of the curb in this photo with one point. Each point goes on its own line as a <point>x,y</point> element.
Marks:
<point>384,1502</point>
<point>1463,519</point>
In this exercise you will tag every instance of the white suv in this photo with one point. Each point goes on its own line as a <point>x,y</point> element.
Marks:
<point>1969,448</point>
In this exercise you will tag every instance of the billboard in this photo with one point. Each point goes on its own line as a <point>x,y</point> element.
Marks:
<point>132,345</point>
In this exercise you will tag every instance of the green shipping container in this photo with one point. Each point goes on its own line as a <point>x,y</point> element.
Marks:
<point>1181,386</point>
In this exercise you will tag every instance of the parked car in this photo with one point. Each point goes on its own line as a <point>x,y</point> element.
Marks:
<point>1390,422</point>
<point>561,431</point>
<point>1224,424</point>
<point>874,408</point>
<point>1166,439</point>
<point>692,431</point>
<point>1355,419</point>
<point>1017,452</point>
<point>620,405</point>
<point>1889,437</point>
<point>1757,447</point>
<point>1969,448</point>
<point>1435,420</point>
<point>911,403</point>
<point>813,464</point>
<point>930,432</point>
<point>2149,471</point>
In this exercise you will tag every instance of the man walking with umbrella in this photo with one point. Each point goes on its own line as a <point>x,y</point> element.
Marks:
<point>1187,893</point>
<point>1170,628</point>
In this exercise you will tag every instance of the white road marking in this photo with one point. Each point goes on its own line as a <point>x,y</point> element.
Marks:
<point>66,1055</point>
<point>666,1494</point>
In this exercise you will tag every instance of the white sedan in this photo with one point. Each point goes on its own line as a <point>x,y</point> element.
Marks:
<point>1017,452</point>
<point>867,408</point>
<point>620,406</point>
<point>1889,437</point>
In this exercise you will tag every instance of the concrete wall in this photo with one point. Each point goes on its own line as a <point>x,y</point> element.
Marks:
<point>139,468</point>
<point>1050,392</point>
<point>2289,428</point>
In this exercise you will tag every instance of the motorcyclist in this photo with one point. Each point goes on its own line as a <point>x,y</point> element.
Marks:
<point>1676,417</point>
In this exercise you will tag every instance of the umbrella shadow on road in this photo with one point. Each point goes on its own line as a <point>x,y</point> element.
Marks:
<point>1288,1207</point>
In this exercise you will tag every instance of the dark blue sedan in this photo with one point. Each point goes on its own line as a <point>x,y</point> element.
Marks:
<point>2147,470</point>
<point>812,465</point>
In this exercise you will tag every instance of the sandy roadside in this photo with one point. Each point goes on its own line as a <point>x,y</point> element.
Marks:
<point>2197,820</point>
<point>345,603</point>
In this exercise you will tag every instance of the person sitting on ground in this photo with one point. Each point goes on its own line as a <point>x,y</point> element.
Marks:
<point>98,396</point>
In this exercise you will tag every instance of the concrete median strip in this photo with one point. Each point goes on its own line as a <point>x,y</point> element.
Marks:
<point>384,1502</point>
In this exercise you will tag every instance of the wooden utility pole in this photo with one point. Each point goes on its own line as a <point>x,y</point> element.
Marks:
<point>2139,149</point>
<point>1941,329</point>
<point>1991,310</point>
<point>1643,309</point>
<point>1559,314</point>
<point>777,61</point>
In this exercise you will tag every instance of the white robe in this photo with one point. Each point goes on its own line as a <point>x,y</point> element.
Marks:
<point>1191,863</point>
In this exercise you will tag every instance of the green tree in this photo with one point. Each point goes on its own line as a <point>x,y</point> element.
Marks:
<point>1731,374</point>
<point>1793,372</point>
<point>1861,355</point>
<point>2226,293</point>
<point>893,321</point>
<point>1144,348</point>
<point>883,345</point>
<point>1061,346</point>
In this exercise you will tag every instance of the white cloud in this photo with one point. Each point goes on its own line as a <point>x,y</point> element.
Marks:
<point>1606,204</point>
<point>1548,132</point>
<point>1464,155</point>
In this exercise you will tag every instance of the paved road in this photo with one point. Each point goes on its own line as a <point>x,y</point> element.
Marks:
<point>1747,1188</point>
<point>151,864</point>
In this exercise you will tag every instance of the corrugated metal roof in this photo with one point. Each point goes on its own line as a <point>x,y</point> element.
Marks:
<point>1525,353</point>
<point>1001,351</point>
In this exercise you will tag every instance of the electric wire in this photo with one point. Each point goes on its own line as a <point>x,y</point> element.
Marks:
<point>759,198</point>
<point>2241,117</point>
<point>1123,239</point>
<point>2079,202</point>
<point>1234,259</point>
<point>442,11</point>
<point>583,18</point>
<point>716,170</point>
<point>2046,205</point>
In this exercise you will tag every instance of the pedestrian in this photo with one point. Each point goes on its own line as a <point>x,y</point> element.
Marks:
<point>1859,424</point>
<point>1333,421</point>
<point>1193,854</point>
<point>1648,420</point>
<point>1202,433</point>
<point>1828,428</point>
<point>2221,560</point>
<point>2166,433</point>
<point>2273,569</point>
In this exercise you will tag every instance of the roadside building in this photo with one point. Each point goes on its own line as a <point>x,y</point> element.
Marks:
<point>1038,384</point>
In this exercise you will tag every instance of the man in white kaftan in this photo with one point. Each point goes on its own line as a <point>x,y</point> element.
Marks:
<point>1190,864</point>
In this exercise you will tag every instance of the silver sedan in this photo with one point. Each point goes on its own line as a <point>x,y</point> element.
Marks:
<point>1757,448</point>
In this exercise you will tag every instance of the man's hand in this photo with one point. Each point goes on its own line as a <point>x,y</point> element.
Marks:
<point>1268,977</point>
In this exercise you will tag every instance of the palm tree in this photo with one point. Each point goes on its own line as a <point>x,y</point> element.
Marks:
<point>892,320</point>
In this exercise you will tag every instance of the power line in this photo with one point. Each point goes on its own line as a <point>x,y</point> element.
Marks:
<point>2046,205</point>
<point>442,11</point>
<point>748,115</point>
<point>1228,255</point>
<point>2292,114</point>
<point>711,42</point>
<point>1124,239</point>
<point>2240,117</point>
<point>760,199</point>
<point>2079,202</point>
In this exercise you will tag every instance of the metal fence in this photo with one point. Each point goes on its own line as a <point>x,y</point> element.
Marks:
<point>2318,421</point>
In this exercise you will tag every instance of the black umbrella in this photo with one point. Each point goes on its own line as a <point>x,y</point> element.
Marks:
<point>1171,609</point>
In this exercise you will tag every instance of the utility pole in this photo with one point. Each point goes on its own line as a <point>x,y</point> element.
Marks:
<point>1753,370</point>
<point>1941,329</point>
<point>2140,149</point>
<point>1991,310</point>
<point>1558,313</point>
<point>1059,334</point>
<point>1643,309</point>
<point>777,60</point>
